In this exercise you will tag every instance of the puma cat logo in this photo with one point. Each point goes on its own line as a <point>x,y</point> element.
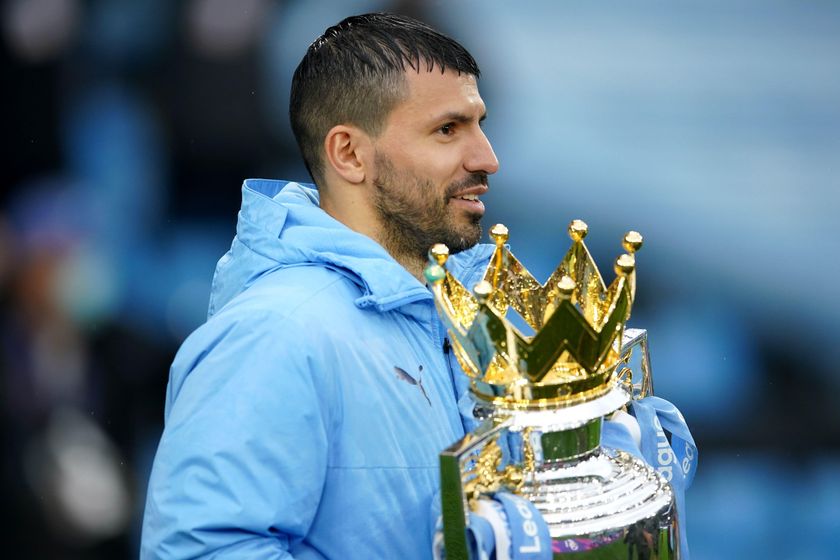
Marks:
<point>405,376</point>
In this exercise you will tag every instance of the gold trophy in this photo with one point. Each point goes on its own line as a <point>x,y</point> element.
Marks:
<point>542,399</point>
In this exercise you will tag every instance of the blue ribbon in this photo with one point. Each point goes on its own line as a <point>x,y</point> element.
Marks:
<point>616,436</point>
<point>480,538</point>
<point>529,536</point>
<point>526,530</point>
<point>675,461</point>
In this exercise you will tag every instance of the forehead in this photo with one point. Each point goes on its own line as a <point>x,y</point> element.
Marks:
<point>433,94</point>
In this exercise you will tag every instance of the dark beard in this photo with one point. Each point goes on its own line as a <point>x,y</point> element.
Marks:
<point>414,217</point>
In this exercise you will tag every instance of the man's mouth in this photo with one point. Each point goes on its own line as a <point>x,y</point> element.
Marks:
<point>465,194</point>
<point>469,202</point>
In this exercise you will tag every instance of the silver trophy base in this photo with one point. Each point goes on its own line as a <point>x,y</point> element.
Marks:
<point>609,505</point>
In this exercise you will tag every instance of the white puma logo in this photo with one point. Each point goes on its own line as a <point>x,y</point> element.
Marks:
<point>405,376</point>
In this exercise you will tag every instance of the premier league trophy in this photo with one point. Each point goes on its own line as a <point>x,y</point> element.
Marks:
<point>542,399</point>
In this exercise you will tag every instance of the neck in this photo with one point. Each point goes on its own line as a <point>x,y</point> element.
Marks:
<point>414,266</point>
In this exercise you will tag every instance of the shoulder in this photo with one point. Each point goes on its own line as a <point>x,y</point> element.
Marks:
<point>290,294</point>
<point>274,329</point>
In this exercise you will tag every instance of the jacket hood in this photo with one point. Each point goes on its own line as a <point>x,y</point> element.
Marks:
<point>281,225</point>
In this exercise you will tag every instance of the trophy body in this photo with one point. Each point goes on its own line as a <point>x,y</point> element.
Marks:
<point>541,401</point>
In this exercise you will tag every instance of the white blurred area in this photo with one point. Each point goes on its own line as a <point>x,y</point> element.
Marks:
<point>221,28</point>
<point>39,30</point>
<point>81,478</point>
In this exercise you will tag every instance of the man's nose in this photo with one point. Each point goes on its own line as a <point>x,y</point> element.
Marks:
<point>481,156</point>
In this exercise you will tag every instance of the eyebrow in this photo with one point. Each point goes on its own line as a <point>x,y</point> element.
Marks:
<point>460,117</point>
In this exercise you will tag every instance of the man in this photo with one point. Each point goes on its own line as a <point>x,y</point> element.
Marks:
<point>305,418</point>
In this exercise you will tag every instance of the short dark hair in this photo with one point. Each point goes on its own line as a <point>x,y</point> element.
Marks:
<point>354,74</point>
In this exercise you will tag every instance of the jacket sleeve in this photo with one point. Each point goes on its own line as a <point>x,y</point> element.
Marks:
<point>242,460</point>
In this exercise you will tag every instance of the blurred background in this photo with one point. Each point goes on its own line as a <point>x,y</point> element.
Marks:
<point>712,127</point>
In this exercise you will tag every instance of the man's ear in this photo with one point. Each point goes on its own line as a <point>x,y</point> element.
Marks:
<point>345,147</point>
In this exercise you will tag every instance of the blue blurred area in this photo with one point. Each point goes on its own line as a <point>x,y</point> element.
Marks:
<point>713,128</point>
<point>754,505</point>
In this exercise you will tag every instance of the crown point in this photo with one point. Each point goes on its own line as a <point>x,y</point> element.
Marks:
<point>499,233</point>
<point>578,230</point>
<point>439,253</point>
<point>566,287</point>
<point>632,241</point>
<point>434,273</point>
<point>482,291</point>
<point>625,264</point>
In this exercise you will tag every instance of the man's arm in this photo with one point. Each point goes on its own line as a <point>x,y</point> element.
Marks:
<point>242,460</point>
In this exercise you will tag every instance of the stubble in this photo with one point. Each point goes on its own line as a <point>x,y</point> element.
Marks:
<point>414,217</point>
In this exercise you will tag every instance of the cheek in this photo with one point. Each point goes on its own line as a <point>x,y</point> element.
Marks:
<point>430,162</point>
<point>441,170</point>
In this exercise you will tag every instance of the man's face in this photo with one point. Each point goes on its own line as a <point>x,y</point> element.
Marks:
<point>431,165</point>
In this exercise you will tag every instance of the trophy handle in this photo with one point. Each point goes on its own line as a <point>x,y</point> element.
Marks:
<point>636,339</point>
<point>454,466</point>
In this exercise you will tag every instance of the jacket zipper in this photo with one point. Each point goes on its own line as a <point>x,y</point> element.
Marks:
<point>447,347</point>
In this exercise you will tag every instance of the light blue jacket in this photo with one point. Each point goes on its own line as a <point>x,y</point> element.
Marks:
<point>289,430</point>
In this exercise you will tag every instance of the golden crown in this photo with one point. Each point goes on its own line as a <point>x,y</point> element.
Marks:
<point>577,321</point>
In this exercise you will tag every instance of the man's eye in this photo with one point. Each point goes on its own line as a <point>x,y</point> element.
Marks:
<point>447,129</point>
